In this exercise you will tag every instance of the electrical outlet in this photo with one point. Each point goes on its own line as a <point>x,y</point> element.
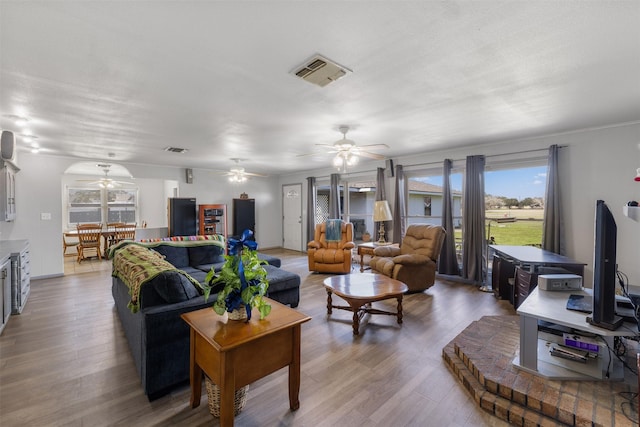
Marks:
<point>45,216</point>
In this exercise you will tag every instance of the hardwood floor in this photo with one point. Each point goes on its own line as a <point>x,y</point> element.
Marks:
<point>65,361</point>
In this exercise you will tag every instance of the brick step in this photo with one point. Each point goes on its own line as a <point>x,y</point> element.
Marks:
<point>505,409</point>
<point>481,356</point>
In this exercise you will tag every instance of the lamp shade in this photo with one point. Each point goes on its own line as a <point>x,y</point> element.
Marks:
<point>381,211</point>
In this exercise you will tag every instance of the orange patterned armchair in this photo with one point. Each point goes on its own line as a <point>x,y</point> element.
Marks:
<point>414,262</point>
<point>333,256</point>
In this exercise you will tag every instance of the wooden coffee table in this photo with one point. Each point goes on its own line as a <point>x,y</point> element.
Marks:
<point>235,353</point>
<point>360,290</point>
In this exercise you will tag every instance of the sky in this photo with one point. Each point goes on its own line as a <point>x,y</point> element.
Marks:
<point>511,183</point>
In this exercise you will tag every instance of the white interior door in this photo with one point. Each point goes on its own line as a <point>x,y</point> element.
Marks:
<point>292,217</point>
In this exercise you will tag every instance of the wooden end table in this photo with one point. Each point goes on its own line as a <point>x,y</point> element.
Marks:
<point>367,249</point>
<point>236,353</point>
<point>360,290</point>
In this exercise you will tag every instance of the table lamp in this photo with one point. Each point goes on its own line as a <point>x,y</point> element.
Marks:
<point>381,213</point>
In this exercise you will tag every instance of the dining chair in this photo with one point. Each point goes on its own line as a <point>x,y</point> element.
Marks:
<point>110,235</point>
<point>68,243</point>
<point>124,232</point>
<point>89,236</point>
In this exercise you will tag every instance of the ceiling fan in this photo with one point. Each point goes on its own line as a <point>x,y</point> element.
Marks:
<point>348,153</point>
<point>106,182</point>
<point>238,174</point>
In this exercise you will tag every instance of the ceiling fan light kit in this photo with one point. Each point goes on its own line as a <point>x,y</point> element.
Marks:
<point>106,182</point>
<point>348,153</point>
<point>237,174</point>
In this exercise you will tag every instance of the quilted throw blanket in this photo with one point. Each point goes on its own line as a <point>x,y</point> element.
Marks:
<point>135,265</point>
<point>333,232</point>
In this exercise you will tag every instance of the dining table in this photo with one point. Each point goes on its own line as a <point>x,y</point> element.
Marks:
<point>105,233</point>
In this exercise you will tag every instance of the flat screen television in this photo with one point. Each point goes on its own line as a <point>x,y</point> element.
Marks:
<point>604,270</point>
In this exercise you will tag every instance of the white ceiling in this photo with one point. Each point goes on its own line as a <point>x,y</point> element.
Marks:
<point>131,78</point>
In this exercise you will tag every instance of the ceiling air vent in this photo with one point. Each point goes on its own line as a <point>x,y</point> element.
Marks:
<point>176,150</point>
<point>320,71</point>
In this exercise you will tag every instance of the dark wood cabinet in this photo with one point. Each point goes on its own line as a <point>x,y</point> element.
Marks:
<point>244,216</point>
<point>182,216</point>
<point>503,271</point>
<point>525,282</point>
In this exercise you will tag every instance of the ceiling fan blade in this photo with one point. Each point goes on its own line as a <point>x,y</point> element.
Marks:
<point>374,146</point>
<point>255,174</point>
<point>370,155</point>
<point>317,153</point>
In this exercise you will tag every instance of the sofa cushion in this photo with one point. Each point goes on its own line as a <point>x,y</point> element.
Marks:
<point>280,280</point>
<point>178,256</point>
<point>196,273</point>
<point>207,254</point>
<point>172,287</point>
<point>207,267</point>
<point>271,260</point>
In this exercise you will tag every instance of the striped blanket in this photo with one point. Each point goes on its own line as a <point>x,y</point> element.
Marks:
<point>135,265</point>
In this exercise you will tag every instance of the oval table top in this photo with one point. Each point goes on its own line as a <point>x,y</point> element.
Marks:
<point>364,285</point>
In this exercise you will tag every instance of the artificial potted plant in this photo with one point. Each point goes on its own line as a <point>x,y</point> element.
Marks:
<point>242,282</point>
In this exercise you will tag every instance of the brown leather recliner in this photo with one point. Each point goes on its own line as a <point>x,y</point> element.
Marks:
<point>331,257</point>
<point>414,262</point>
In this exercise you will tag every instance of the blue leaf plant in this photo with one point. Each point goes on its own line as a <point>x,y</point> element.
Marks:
<point>242,280</point>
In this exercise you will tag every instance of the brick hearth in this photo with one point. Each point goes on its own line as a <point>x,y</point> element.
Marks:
<point>481,357</point>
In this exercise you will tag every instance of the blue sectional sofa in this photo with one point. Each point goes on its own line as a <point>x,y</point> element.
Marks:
<point>157,336</point>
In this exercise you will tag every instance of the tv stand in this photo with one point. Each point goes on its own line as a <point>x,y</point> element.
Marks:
<point>534,355</point>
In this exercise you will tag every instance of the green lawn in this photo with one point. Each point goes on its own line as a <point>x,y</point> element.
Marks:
<point>518,233</point>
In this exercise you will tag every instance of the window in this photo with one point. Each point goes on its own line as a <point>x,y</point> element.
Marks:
<point>362,195</point>
<point>514,205</point>
<point>96,205</point>
<point>121,205</point>
<point>425,199</point>
<point>427,205</point>
<point>356,206</point>
<point>322,203</point>
<point>85,206</point>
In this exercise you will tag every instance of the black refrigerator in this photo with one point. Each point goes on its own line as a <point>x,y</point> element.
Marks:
<point>244,216</point>
<point>183,216</point>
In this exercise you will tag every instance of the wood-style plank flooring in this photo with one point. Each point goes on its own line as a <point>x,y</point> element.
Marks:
<point>65,362</point>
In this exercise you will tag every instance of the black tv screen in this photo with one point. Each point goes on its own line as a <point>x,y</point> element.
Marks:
<point>604,270</point>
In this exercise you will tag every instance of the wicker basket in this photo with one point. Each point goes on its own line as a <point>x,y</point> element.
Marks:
<point>213,396</point>
<point>239,313</point>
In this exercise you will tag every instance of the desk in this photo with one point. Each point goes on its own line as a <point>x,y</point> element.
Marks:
<point>534,354</point>
<point>523,263</point>
<point>236,353</point>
